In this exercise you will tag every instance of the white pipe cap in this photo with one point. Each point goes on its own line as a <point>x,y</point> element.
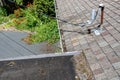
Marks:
<point>102,5</point>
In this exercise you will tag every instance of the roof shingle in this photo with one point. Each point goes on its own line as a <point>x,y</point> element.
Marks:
<point>102,51</point>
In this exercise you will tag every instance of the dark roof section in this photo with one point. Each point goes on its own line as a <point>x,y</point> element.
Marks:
<point>102,51</point>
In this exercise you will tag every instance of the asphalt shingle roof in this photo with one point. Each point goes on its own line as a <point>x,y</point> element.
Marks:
<point>102,51</point>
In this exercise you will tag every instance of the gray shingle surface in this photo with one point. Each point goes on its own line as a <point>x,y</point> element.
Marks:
<point>103,49</point>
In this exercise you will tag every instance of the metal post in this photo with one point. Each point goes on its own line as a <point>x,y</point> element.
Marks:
<point>100,28</point>
<point>102,13</point>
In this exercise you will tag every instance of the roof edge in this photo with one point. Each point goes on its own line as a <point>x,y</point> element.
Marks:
<point>43,56</point>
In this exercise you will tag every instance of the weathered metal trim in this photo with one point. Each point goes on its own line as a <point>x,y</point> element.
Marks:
<point>42,56</point>
<point>61,44</point>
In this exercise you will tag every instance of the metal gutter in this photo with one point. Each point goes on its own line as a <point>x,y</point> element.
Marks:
<point>61,44</point>
<point>42,56</point>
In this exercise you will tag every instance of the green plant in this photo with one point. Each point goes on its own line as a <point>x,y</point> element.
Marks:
<point>2,14</point>
<point>36,18</point>
<point>31,17</point>
<point>18,1</point>
<point>45,7</point>
<point>47,32</point>
<point>2,11</point>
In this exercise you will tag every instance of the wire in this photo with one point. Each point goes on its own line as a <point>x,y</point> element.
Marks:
<point>82,24</point>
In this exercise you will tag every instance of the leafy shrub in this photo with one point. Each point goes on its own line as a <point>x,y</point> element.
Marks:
<point>37,18</point>
<point>45,7</point>
<point>18,1</point>
<point>2,11</point>
<point>47,32</point>
<point>3,16</point>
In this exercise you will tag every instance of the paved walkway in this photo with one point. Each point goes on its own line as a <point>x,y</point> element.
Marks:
<point>102,51</point>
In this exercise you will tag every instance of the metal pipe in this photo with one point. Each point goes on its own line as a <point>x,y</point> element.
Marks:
<point>102,13</point>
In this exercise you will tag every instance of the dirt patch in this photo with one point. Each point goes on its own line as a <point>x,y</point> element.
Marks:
<point>2,28</point>
<point>27,39</point>
<point>82,69</point>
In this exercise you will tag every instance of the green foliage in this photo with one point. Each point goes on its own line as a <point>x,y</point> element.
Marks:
<point>28,20</point>
<point>31,17</point>
<point>47,32</point>
<point>3,16</point>
<point>2,11</point>
<point>45,7</point>
<point>37,19</point>
<point>18,1</point>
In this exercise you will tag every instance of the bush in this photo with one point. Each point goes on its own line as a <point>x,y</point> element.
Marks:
<point>2,11</point>
<point>18,1</point>
<point>45,7</point>
<point>37,18</point>
<point>47,32</point>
